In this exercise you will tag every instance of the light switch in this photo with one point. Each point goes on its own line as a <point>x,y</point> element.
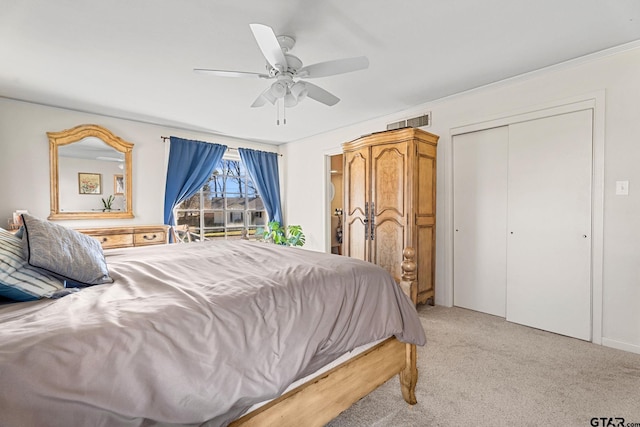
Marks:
<point>622,188</point>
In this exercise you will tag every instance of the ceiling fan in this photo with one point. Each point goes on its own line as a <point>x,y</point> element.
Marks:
<point>288,72</point>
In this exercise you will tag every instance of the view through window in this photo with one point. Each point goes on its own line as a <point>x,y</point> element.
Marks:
<point>227,205</point>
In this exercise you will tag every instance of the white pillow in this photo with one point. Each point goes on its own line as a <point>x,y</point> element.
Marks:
<point>64,252</point>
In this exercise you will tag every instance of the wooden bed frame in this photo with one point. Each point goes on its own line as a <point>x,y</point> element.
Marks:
<point>324,397</point>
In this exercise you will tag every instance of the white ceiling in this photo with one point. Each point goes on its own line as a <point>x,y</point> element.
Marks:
<point>134,59</point>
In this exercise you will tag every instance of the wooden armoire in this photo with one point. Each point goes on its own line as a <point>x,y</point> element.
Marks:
<point>390,202</point>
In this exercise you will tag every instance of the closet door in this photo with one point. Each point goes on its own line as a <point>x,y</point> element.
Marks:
<point>549,229</point>
<point>480,220</point>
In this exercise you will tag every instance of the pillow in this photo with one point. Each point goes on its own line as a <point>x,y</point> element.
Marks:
<point>19,281</point>
<point>64,252</point>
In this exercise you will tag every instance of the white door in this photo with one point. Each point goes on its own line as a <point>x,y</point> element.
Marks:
<point>549,224</point>
<point>480,220</point>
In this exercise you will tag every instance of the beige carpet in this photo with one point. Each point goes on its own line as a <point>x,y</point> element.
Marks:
<point>479,370</point>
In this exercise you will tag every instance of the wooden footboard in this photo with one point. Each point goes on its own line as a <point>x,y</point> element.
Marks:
<point>321,399</point>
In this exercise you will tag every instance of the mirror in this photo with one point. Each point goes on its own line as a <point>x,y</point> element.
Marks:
<point>90,174</point>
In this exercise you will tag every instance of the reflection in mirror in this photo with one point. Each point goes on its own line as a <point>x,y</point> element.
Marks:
<point>90,174</point>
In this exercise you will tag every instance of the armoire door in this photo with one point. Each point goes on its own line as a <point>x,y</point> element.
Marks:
<point>424,202</point>
<point>356,203</point>
<point>480,220</point>
<point>549,224</point>
<point>388,206</point>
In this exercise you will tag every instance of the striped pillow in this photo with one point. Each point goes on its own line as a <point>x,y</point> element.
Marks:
<point>18,280</point>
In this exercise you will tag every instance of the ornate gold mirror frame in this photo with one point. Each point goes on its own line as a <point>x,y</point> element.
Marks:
<point>77,134</point>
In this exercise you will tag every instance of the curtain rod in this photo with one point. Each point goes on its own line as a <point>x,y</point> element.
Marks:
<point>164,139</point>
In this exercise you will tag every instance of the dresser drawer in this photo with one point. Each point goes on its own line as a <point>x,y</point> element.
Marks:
<point>115,240</point>
<point>124,237</point>
<point>155,237</point>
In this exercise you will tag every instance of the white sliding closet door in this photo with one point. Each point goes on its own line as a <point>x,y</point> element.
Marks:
<point>549,224</point>
<point>480,220</point>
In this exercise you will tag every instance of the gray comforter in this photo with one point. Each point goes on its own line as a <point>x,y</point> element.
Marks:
<point>191,334</point>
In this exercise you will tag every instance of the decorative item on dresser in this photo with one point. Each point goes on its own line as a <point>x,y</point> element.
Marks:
<point>124,237</point>
<point>390,201</point>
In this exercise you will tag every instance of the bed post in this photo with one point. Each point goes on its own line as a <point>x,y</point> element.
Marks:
<point>409,375</point>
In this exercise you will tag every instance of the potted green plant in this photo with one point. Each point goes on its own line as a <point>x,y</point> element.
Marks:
<point>291,235</point>
<point>108,202</point>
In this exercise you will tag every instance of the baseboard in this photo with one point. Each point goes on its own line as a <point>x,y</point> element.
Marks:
<point>608,342</point>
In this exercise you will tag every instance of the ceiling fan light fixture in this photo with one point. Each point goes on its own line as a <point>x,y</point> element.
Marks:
<point>290,100</point>
<point>278,89</point>
<point>299,91</point>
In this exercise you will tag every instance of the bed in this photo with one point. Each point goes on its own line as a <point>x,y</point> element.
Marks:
<point>199,333</point>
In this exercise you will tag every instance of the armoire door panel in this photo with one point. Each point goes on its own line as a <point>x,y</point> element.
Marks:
<point>426,258</point>
<point>388,241</point>
<point>356,203</point>
<point>354,244</point>
<point>480,162</point>
<point>426,177</point>
<point>389,175</point>
<point>549,229</point>
<point>356,171</point>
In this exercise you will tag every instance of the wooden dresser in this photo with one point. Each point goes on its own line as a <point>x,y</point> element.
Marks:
<point>125,237</point>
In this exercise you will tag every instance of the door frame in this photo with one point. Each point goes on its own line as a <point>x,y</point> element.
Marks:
<point>594,101</point>
<point>326,214</point>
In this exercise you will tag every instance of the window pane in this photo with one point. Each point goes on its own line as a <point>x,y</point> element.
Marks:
<point>215,186</point>
<point>235,185</point>
<point>192,202</point>
<point>235,201</point>
<point>191,218</point>
<point>179,216</point>
<point>251,190</point>
<point>213,200</point>
<point>233,168</point>
<point>256,218</point>
<point>217,170</point>
<point>235,219</point>
<point>214,219</point>
<point>255,204</point>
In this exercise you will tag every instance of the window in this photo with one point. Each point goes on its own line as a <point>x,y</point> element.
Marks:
<point>227,205</point>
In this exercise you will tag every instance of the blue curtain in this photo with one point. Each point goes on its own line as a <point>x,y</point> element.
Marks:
<point>191,163</point>
<point>263,170</point>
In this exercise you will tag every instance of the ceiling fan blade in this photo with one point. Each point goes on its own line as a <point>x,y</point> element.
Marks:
<point>263,98</point>
<point>268,44</point>
<point>331,68</point>
<point>225,73</point>
<point>321,95</point>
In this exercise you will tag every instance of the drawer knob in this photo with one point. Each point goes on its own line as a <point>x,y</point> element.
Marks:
<point>149,238</point>
<point>104,239</point>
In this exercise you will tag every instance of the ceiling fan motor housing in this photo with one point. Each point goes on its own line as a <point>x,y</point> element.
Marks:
<point>286,43</point>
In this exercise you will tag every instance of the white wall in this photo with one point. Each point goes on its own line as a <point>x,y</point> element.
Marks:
<point>615,71</point>
<point>24,160</point>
